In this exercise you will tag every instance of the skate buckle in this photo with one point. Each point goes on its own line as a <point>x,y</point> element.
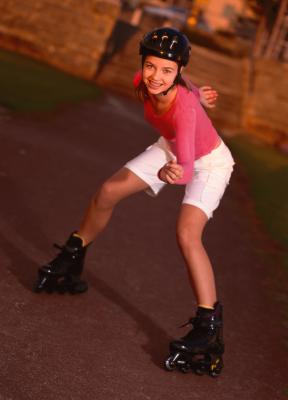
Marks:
<point>214,365</point>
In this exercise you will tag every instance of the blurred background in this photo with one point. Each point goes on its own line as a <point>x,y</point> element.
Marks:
<point>240,47</point>
<point>68,120</point>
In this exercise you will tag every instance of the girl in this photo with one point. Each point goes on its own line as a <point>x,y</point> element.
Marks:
<point>189,152</point>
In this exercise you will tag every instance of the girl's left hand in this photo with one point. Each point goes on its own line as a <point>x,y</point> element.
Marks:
<point>208,96</point>
<point>170,172</point>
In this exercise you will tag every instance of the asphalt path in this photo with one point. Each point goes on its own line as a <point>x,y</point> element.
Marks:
<point>110,343</point>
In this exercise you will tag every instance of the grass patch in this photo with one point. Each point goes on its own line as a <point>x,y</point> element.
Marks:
<point>28,85</point>
<point>267,170</point>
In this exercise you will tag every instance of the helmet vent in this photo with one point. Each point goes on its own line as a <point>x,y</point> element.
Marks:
<point>166,43</point>
<point>162,39</point>
<point>173,42</point>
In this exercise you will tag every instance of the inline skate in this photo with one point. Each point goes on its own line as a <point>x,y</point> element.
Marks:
<point>63,273</point>
<point>202,348</point>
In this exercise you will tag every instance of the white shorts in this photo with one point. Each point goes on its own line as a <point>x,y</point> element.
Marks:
<point>211,174</point>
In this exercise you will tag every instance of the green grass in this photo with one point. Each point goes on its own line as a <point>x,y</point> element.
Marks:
<point>267,171</point>
<point>28,85</point>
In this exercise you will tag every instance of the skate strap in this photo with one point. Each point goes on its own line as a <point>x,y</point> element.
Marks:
<point>66,248</point>
<point>58,246</point>
<point>191,321</point>
<point>197,321</point>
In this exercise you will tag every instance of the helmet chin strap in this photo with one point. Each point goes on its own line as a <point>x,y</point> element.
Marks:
<point>168,90</point>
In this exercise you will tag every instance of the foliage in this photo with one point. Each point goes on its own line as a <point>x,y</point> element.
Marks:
<point>267,170</point>
<point>27,85</point>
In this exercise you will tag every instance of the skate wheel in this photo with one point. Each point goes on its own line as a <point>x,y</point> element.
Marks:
<point>201,365</point>
<point>170,365</point>
<point>214,374</point>
<point>61,289</point>
<point>78,288</point>
<point>72,287</point>
<point>184,368</point>
<point>199,371</point>
<point>40,284</point>
<point>44,284</point>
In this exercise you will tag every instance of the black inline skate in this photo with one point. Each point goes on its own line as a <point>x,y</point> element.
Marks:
<point>202,348</point>
<point>63,273</point>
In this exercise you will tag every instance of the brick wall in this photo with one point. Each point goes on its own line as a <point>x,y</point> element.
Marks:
<point>69,34</point>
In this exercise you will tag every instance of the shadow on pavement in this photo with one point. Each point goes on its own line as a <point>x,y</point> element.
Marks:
<point>156,345</point>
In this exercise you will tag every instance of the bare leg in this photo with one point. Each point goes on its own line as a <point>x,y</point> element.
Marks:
<point>123,184</point>
<point>190,227</point>
<point>63,272</point>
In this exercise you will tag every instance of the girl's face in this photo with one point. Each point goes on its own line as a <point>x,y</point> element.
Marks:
<point>158,74</point>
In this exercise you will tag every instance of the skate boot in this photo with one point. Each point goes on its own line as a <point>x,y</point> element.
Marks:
<point>63,273</point>
<point>202,348</point>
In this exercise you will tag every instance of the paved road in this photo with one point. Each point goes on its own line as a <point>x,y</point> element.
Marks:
<point>110,343</point>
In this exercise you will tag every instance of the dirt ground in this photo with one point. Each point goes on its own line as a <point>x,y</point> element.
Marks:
<point>110,343</point>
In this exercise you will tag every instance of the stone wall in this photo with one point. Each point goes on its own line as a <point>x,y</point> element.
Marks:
<point>260,110</point>
<point>266,102</point>
<point>69,34</point>
<point>225,74</point>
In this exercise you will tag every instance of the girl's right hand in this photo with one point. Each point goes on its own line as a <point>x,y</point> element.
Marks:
<point>171,172</point>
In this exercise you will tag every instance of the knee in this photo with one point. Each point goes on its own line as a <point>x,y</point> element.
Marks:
<point>106,196</point>
<point>188,237</point>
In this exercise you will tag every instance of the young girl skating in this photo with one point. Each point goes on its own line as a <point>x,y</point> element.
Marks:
<point>189,152</point>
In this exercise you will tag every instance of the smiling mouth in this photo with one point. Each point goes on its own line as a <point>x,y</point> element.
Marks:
<point>154,85</point>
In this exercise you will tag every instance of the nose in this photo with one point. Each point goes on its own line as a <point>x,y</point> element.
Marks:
<point>156,74</point>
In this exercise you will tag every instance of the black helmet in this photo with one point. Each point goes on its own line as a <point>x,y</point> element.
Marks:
<point>166,43</point>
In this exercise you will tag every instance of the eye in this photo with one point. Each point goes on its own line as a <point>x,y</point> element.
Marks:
<point>148,66</point>
<point>167,71</point>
